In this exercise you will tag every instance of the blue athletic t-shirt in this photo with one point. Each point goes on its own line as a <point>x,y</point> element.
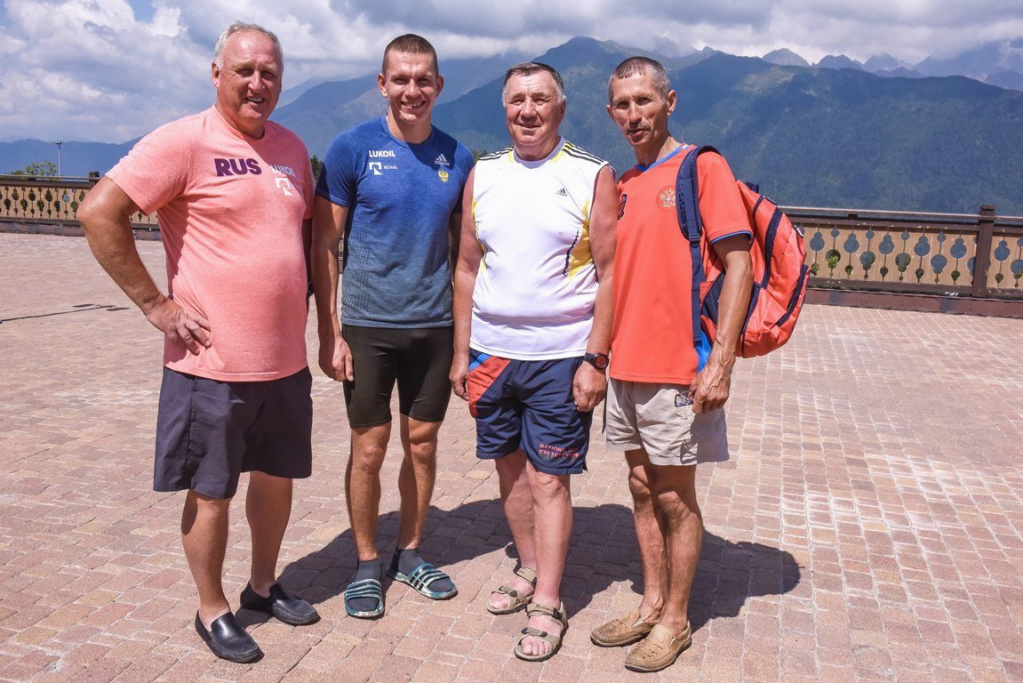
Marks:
<point>400,198</point>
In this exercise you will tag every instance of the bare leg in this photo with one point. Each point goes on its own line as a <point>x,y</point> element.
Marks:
<point>362,485</point>
<point>648,536</point>
<point>204,537</point>
<point>416,478</point>
<point>267,509</point>
<point>674,490</point>
<point>552,529</point>
<point>517,500</point>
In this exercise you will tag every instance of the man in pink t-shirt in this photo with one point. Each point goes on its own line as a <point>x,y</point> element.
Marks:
<point>234,195</point>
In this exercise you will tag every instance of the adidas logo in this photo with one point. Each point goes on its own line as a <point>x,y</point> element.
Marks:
<point>441,160</point>
<point>562,193</point>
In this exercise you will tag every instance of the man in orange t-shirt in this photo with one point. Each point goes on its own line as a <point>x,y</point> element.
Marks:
<point>234,193</point>
<point>663,410</point>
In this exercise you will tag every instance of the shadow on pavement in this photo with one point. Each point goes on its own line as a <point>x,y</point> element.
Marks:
<point>603,552</point>
<point>730,573</point>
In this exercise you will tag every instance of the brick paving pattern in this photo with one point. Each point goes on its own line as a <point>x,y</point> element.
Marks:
<point>869,526</point>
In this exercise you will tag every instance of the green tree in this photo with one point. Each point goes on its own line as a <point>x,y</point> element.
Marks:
<point>317,166</point>
<point>40,168</point>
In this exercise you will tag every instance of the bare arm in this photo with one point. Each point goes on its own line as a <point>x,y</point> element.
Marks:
<point>469,255</point>
<point>454,238</point>
<point>105,215</point>
<point>328,226</point>
<point>711,387</point>
<point>307,245</point>
<point>590,384</point>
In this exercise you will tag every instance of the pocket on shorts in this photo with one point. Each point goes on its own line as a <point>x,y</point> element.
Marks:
<point>620,428</point>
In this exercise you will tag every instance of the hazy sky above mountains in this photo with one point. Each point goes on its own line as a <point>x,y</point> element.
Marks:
<point>111,70</point>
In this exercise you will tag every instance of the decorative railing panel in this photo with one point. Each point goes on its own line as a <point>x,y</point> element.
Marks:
<point>1006,259</point>
<point>44,200</point>
<point>954,254</point>
<point>958,255</point>
<point>891,253</point>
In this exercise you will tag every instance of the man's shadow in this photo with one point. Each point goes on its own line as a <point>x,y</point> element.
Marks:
<point>602,552</point>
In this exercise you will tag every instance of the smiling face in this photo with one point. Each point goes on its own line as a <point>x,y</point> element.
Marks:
<point>411,84</point>
<point>533,111</point>
<point>641,112</point>
<point>248,81</point>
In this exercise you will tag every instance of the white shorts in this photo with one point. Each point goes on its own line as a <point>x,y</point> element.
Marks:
<point>659,418</point>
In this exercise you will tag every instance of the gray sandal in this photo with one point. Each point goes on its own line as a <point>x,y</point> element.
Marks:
<point>557,614</point>
<point>365,588</point>
<point>518,601</point>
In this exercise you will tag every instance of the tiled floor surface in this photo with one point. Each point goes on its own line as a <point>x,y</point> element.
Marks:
<point>869,526</point>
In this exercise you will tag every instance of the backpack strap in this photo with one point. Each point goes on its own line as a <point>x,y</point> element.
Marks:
<point>688,208</point>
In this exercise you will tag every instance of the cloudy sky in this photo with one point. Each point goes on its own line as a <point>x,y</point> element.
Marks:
<point>111,70</point>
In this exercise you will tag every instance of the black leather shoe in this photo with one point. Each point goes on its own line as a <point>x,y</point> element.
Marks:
<point>294,611</point>
<point>228,640</point>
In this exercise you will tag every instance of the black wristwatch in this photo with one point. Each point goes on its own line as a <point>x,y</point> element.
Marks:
<point>597,360</point>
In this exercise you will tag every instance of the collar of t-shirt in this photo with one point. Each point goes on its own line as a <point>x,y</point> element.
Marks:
<point>678,150</point>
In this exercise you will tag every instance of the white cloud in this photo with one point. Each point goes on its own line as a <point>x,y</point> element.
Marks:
<point>114,69</point>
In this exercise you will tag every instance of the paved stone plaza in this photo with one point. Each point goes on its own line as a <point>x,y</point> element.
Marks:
<point>869,526</point>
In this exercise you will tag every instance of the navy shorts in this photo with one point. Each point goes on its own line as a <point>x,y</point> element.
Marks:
<point>418,359</point>
<point>209,432</point>
<point>528,404</point>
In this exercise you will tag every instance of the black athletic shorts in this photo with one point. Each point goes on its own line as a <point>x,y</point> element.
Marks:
<point>209,432</point>
<point>418,359</point>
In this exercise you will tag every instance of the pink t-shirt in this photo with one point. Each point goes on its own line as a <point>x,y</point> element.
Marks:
<point>231,210</point>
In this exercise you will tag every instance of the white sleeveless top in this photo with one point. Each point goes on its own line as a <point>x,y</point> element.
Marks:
<point>537,282</point>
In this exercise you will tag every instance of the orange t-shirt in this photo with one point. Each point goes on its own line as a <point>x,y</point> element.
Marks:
<point>651,339</point>
<point>231,210</point>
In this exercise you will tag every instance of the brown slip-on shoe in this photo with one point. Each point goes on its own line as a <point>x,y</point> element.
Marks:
<point>659,650</point>
<point>621,631</point>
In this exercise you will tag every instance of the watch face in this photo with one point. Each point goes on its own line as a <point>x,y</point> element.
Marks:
<point>597,360</point>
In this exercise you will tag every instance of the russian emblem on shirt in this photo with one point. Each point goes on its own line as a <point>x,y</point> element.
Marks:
<point>666,198</point>
<point>443,175</point>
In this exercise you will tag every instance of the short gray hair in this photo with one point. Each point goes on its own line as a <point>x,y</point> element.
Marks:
<point>241,27</point>
<point>641,65</point>
<point>530,68</point>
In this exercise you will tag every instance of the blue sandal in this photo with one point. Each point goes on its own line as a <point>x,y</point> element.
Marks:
<point>365,588</point>
<point>422,577</point>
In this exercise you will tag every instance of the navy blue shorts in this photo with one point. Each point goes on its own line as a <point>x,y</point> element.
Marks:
<point>528,404</point>
<point>209,432</point>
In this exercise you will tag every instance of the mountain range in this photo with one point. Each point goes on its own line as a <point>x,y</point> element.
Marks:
<point>878,135</point>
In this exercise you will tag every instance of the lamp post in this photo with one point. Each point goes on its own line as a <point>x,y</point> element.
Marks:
<point>58,143</point>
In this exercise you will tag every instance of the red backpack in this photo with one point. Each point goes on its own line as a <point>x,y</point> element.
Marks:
<point>779,272</point>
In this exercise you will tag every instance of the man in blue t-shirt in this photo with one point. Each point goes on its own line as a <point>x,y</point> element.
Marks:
<point>391,188</point>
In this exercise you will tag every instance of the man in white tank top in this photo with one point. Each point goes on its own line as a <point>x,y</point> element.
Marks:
<point>532,309</point>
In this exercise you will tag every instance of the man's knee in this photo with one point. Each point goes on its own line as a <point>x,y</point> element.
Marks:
<point>639,486</point>
<point>206,503</point>
<point>269,484</point>
<point>676,500</point>
<point>368,461</point>
<point>549,487</point>
<point>422,440</point>
<point>369,447</point>
<point>204,510</point>
<point>672,486</point>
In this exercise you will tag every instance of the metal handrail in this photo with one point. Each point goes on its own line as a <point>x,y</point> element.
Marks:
<point>884,213</point>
